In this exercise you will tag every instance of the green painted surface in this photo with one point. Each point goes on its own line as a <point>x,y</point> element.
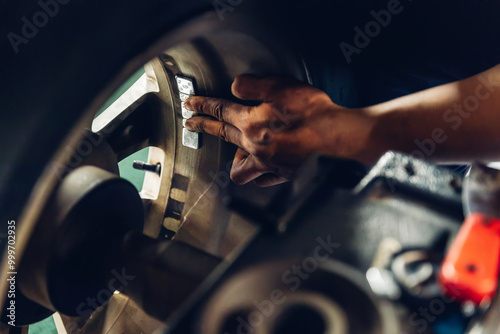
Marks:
<point>121,90</point>
<point>136,177</point>
<point>46,326</point>
<point>133,175</point>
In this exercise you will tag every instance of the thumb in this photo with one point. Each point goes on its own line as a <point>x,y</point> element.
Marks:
<point>246,168</point>
<point>257,88</point>
<point>268,180</point>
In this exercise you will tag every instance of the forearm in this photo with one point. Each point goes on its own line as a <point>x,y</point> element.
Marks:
<point>456,122</point>
<point>450,123</point>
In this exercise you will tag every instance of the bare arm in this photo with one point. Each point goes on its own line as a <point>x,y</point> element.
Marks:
<point>455,122</point>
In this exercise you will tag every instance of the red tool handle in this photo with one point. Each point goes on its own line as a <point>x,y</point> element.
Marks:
<point>470,269</point>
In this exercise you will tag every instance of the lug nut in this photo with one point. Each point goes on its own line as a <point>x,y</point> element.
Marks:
<point>141,165</point>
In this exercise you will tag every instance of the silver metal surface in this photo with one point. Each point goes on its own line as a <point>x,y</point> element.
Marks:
<point>380,279</point>
<point>186,114</point>
<point>481,190</point>
<point>184,97</point>
<point>185,85</point>
<point>382,283</point>
<point>190,139</point>
<point>186,89</point>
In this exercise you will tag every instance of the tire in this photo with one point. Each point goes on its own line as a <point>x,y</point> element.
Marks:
<point>48,84</point>
<point>50,79</point>
<point>55,76</point>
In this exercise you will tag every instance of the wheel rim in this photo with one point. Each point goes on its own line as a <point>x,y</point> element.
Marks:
<point>155,91</point>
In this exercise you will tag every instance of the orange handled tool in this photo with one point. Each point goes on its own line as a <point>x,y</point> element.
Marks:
<point>470,270</point>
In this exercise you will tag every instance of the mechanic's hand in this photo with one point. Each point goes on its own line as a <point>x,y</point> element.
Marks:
<point>274,138</point>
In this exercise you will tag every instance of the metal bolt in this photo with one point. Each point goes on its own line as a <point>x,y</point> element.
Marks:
<point>141,165</point>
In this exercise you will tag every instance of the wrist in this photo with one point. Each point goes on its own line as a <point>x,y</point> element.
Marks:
<point>370,142</point>
<point>351,134</point>
<point>391,129</point>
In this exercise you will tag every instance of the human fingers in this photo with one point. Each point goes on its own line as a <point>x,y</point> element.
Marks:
<point>221,109</point>
<point>211,126</point>
<point>257,88</point>
<point>246,168</point>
